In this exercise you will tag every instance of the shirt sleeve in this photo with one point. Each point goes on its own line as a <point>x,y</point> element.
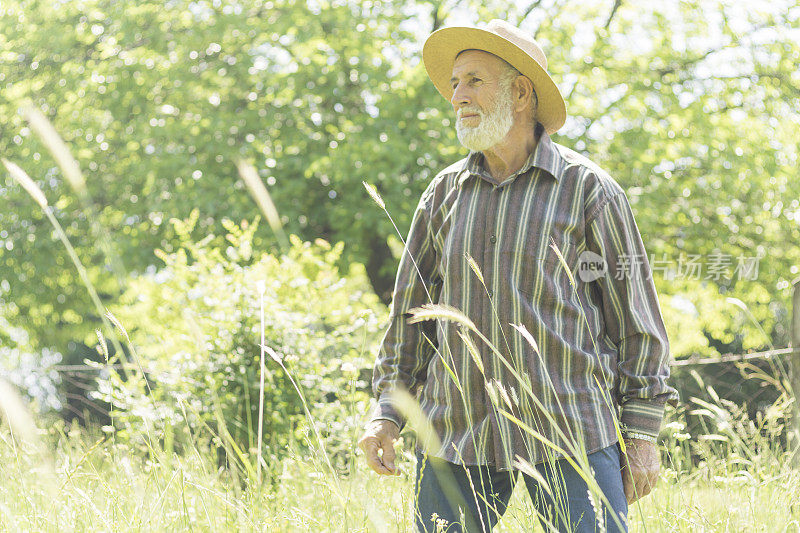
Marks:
<point>406,349</point>
<point>632,316</point>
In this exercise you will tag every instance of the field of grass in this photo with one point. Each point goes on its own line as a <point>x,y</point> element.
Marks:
<point>70,480</point>
<point>735,475</point>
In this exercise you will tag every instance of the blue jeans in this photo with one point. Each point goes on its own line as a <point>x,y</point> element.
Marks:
<point>476,502</point>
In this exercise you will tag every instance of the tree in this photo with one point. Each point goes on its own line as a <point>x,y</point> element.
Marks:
<point>689,105</point>
<point>157,101</point>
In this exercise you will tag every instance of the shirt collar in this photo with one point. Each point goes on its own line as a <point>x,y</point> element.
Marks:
<point>545,156</point>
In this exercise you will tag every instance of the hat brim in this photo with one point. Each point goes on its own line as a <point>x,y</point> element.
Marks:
<point>440,51</point>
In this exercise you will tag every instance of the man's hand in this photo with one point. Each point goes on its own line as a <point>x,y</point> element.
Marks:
<point>381,435</point>
<point>640,465</point>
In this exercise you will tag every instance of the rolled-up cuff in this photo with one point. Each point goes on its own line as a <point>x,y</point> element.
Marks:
<point>642,416</point>
<point>384,410</point>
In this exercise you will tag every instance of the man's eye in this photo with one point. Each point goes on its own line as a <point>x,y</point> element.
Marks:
<point>475,80</point>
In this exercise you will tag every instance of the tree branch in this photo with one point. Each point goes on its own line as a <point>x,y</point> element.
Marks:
<point>528,11</point>
<point>437,16</point>
<point>614,9</point>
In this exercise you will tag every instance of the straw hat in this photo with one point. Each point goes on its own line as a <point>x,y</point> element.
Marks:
<point>507,42</point>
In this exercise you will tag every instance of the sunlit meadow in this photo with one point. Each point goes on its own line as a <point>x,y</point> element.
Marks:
<point>735,476</point>
<point>233,383</point>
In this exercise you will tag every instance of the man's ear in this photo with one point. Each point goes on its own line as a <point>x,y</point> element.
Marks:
<point>525,95</point>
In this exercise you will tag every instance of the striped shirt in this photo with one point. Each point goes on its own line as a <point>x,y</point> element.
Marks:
<point>596,350</point>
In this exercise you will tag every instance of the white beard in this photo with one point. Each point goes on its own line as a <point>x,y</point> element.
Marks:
<point>494,123</point>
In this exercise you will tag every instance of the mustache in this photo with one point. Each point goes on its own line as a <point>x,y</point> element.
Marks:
<point>469,110</point>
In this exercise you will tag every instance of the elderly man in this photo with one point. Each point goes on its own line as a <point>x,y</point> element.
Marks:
<point>580,358</point>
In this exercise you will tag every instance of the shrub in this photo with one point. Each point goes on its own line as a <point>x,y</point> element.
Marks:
<point>195,328</point>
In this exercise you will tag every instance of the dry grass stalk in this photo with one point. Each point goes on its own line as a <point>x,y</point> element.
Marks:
<point>262,197</point>
<point>56,146</point>
<point>21,177</point>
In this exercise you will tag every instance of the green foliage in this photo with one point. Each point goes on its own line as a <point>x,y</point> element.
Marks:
<point>690,105</point>
<point>195,326</point>
<point>157,100</point>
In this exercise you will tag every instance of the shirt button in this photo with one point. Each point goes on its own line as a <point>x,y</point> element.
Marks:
<point>491,294</point>
<point>492,239</point>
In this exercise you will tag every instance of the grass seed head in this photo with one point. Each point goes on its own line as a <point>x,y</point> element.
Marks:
<point>373,192</point>
<point>27,183</point>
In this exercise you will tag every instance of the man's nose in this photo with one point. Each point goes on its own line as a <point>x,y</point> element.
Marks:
<point>460,97</point>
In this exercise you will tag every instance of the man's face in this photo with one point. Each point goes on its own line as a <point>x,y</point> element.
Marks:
<point>482,102</point>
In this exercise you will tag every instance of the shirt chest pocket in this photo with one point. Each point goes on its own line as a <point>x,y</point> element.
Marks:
<point>535,271</point>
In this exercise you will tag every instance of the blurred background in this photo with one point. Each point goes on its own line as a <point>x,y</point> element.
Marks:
<point>692,106</point>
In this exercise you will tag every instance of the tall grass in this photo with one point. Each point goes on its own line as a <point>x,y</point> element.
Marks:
<point>76,479</point>
<point>734,476</point>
